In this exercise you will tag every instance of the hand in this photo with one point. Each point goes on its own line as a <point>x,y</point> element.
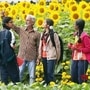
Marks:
<point>73,47</point>
<point>69,45</point>
<point>38,61</point>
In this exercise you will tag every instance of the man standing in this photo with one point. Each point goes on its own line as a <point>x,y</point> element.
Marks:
<point>8,65</point>
<point>28,50</point>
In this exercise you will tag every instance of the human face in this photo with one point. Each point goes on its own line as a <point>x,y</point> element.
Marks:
<point>45,25</point>
<point>75,27</point>
<point>29,21</point>
<point>10,24</point>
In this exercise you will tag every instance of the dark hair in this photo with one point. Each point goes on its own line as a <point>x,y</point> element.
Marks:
<point>49,22</point>
<point>80,23</point>
<point>6,20</point>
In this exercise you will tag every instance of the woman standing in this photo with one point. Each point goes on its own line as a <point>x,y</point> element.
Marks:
<point>80,53</point>
<point>47,51</point>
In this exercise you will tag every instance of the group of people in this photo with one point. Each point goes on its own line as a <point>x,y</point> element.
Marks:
<point>35,47</point>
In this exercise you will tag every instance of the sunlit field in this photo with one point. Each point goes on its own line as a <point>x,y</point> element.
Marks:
<point>63,14</point>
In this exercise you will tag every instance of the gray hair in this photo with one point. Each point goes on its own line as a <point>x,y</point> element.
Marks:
<point>31,17</point>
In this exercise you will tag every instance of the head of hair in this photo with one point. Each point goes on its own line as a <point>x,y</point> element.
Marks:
<point>49,22</point>
<point>80,23</point>
<point>5,20</point>
<point>31,17</point>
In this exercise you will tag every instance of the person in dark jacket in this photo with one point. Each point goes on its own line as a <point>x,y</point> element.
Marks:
<point>8,69</point>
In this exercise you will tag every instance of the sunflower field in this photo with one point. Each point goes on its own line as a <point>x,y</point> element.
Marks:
<point>63,14</point>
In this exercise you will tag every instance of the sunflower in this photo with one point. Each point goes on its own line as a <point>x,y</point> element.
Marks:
<point>72,2</point>
<point>22,4</point>
<point>42,2</point>
<point>74,15</point>
<point>13,12</point>
<point>66,7</point>
<point>41,10</point>
<point>57,7</point>
<point>23,13</point>
<point>39,22</point>
<point>86,15</point>
<point>73,7</point>
<point>64,1</point>
<point>87,8</point>
<point>51,6</point>
<point>55,17</point>
<point>28,5</point>
<point>7,11</point>
<point>83,5</point>
<point>32,12</point>
<point>1,5</point>
<point>5,4</point>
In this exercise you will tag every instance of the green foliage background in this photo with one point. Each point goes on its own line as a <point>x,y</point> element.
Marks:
<point>65,28</point>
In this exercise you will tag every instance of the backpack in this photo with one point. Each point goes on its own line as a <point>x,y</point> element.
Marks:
<point>61,45</point>
<point>6,51</point>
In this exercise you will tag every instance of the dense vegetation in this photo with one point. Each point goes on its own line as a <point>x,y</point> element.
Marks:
<point>64,14</point>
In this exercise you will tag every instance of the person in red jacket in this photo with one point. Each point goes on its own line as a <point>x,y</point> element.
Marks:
<point>80,53</point>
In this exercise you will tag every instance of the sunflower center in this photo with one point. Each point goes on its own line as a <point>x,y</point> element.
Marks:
<point>40,22</point>
<point>41,10</point>
<point>74,8</point>
<point>55,16</point>
<point>75,16</point>
<point>86,15</point>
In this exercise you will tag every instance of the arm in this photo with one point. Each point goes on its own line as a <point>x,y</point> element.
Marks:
<point>86,42</point>
<point>37,42</point>
<point>16,29</point>
<point>39,50</point>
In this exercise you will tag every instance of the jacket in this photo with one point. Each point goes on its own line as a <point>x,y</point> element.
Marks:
<point>85,39</point>
<point>52,52</point>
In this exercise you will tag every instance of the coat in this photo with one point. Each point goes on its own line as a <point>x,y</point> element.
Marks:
<point>52,52</point>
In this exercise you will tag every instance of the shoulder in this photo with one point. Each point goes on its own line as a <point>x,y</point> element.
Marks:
<point>56,34</point>
<point>8,31</point>
<point>84,35</point>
